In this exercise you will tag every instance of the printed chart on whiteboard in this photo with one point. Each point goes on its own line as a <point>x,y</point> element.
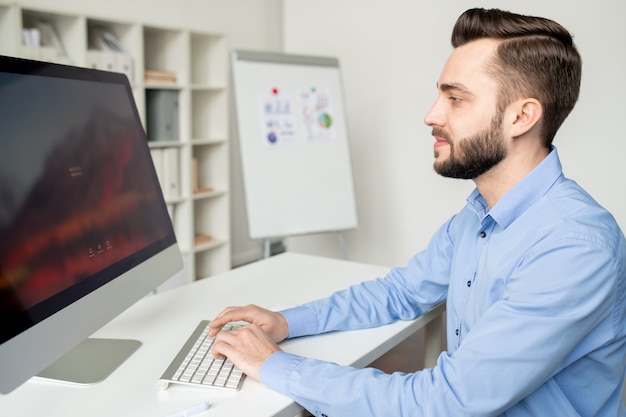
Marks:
<point>293,144</point>
<point>278,123</point>
<point>317,114</point>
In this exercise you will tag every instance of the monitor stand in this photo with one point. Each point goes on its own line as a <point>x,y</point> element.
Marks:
<point>91,361</point>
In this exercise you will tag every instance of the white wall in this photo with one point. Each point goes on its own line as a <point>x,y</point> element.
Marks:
<point>391,53</point>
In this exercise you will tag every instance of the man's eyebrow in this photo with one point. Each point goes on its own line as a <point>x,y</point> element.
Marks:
<point>453,87</point>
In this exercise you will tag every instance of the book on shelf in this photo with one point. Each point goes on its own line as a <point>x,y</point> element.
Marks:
<point>196,188</point>
<point>157,160</point>
<point>160,77</point>
<point>166,166</point>
<point>171,176</point>
<point>194,175</point>
<point>202,239</point>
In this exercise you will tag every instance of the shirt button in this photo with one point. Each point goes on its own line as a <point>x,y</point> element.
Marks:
<point>469,283</point>
<point>483,234</point>
<point>456,332</point>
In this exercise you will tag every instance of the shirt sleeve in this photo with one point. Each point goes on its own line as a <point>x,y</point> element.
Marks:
<point>519,344</point>
<point>403,294</point>
<point>325,388</point>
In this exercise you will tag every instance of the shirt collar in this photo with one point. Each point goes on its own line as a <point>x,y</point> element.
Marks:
<point>523,194</point>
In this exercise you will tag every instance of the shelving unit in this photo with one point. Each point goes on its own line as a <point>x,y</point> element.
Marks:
<point>198,62</point>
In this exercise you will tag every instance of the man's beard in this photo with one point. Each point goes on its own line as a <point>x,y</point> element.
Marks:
<point>473,156</point>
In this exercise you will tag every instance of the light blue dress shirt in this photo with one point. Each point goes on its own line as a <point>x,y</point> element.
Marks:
<point>535,315</point>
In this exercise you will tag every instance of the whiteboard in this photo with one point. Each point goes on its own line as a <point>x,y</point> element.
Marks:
<point>293,144</point>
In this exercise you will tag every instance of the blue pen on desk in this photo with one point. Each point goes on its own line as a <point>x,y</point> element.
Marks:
<point>191,411</point>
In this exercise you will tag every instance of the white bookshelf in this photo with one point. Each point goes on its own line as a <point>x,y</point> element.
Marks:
<point>200,209</point>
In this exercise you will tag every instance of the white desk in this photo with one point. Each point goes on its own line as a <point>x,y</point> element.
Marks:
<point>162,322</point>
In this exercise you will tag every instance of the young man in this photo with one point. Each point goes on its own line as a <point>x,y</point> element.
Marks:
<point>532,268</point>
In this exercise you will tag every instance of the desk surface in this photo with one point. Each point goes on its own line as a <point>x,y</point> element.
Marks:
<point>162,322</point>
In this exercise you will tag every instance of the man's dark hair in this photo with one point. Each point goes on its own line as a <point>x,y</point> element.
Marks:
<point>537,58</point>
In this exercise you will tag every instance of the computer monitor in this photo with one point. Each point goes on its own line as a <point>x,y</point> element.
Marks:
<point>84,229</point>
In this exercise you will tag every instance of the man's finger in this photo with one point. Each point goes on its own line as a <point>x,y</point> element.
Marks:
<point>225,317</point>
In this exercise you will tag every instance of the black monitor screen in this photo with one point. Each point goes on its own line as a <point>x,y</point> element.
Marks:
<point>79,199</point>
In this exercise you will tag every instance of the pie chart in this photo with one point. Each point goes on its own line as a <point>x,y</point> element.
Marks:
<point>324,120</point>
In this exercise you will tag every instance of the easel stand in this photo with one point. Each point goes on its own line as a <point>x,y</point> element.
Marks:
<point>267,246</point>
<point>342,245</point>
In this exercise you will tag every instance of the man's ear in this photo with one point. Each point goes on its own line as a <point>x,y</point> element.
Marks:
<point>527,113</point>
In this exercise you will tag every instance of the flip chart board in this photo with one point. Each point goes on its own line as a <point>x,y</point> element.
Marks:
<point>293,143</point>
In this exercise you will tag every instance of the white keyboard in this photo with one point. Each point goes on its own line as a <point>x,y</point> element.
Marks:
<point>195,365</point>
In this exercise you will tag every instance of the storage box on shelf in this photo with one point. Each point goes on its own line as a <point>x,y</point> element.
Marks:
<point>179,81</point>
<point>114,46</point>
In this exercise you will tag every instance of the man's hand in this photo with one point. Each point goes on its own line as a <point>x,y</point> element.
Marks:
<point>274,324</point>
<point>247,347</point>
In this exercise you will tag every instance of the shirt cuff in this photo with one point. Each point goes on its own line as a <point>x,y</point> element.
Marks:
<point>301,321</point>
<point>276,369</point>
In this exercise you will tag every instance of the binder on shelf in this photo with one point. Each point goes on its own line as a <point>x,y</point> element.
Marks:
<point>111,61</point>
<point>157,160</point>
<point>162,115</point>
<point>107,53</point>
<point>124,64</point>
<point>39,53</point>
<point>102,60</point>
<point>171,173</point>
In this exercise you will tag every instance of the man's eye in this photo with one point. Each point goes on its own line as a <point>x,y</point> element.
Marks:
<point>454,99</point>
